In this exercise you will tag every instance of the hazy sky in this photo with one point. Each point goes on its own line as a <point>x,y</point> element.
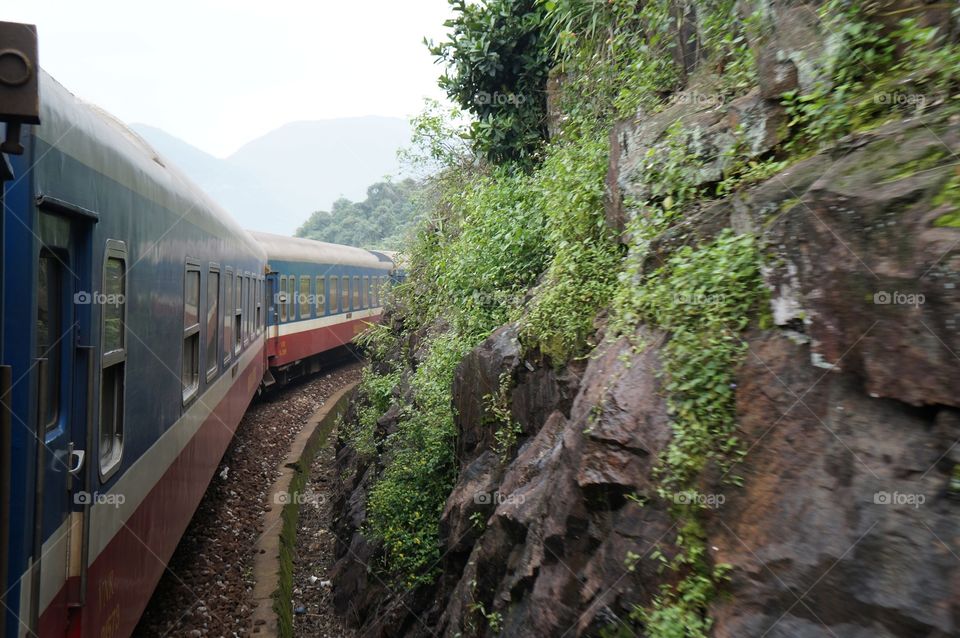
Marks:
<point>218,73</point>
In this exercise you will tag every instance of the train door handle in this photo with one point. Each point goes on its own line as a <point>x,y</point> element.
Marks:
<point>77,458</point>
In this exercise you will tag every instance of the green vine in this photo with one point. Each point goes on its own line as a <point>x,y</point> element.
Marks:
<point>703,297</point>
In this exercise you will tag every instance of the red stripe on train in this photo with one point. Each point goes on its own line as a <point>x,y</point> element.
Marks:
<point>123,577</point>
<point>300,345</point>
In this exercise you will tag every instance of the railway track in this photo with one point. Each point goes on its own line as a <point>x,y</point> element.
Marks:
<point>206,589</point>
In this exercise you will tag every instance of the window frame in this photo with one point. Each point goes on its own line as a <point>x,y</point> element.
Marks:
<point>259,304</point>
<point>303,300</point>
<point>244,307</point>
<point>320,297</point>
<point>227,327</point>
<point>52,352</point>
<point>355,294</point>
<point>251,328</point>
<point>345,293</point>
<point>238,335</point>
<point>291,296</point>
<point>114,249</point>
<point>213,367</point>
<point>334,298</point>
<point>189,394</point>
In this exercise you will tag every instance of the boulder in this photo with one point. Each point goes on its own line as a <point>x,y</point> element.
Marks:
<point>861,268</point>
<point>843,526</point>
<point>476,382</point>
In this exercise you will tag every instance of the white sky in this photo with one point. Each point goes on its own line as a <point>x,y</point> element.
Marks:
<point>219,73</point>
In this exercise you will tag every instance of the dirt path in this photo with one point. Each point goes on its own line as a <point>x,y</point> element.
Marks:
<point>207,589</point>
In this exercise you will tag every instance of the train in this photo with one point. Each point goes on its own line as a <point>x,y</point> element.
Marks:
<point>138,321</point>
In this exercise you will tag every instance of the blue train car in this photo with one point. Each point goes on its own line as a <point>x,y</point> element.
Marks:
<point>132,335</point>
<point>320,296</point>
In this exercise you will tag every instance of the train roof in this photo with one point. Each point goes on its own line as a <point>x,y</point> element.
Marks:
<point>281,248</point>
<point>95,138</point>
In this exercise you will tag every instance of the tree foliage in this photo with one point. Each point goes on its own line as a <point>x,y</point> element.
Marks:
<point>379,221</point>
<point>498,58</point>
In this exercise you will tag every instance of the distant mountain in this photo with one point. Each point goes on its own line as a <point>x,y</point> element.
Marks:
<point>243,194</point>
<point>276,181</point>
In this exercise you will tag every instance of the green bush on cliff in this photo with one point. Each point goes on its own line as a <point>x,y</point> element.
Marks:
<point>406,502</point>
<point>870,74</point>
<point>583,254</point>
<point>495,233</point>
<point>704,297</point>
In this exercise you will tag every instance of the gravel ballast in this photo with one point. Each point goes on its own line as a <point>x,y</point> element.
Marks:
<point>206,588</point>
<point>312,587</point>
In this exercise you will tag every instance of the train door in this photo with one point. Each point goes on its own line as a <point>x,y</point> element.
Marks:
<point>63,364</point>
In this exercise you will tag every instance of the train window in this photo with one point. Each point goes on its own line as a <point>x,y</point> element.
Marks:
<point>320,298</point>
<point>259,304</point>
<point>282,298</point>
<point>246,309</point>
<point>303,299</point>
<point>291,295</point>
<point>356,293</point>
<point>213,321</point>
<point>366,292</point>
<point>251,326</point>
<point>49,333</point>
<point>344,294</point>
<point>334,294</point>
<point>238,314</point>
<point>113,360</point>
<point>242,305</point>
<point>228,316</point>
<point>251,308</point>
<point>190,370</point>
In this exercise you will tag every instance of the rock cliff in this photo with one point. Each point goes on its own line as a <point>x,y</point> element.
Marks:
<point>839,517</point>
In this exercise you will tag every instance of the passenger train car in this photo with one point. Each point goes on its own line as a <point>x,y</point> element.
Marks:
<point>321,296</point>
<point>137,322</point>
